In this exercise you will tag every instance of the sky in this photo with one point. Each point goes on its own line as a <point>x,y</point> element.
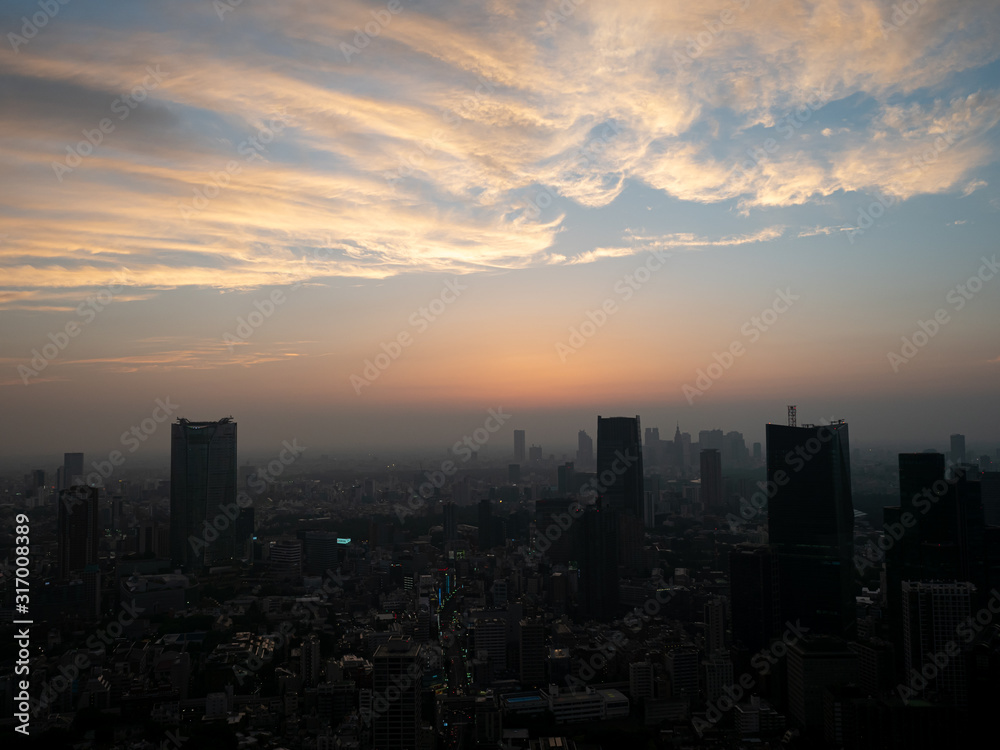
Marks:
<point>365,224</point>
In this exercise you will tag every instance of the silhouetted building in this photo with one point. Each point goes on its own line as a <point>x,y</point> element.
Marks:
<point>596,542</point>
<point>933,612</point>
<point>958,449</point>
<point>396,683</point>
<point>753,575</point>
<point>619,463</point>
<point>450,522</point>
<point>72,471</point>
<point>203,508</point>
<point>711,480</point>
<point>584,450</point>
<point>566,477</point>
<point>78,532</point>
<point>811,524</point>
<point>486,537</point>
<point>519,454</point>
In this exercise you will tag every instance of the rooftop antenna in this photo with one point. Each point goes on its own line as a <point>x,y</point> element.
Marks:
<point>791,416</point>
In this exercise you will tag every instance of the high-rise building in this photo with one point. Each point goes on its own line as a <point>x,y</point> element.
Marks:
<point>957,449</point>
<point>486,537</point>
<point>711,480</point>
<point>533,652</point>
<point>449,521</point>
<point>619,463</point>
<point>77,529</point>
<point>309,660</point>
<point>519,454</point>
<point>715,625</point>
<point>815,664</point>
<point>72,474</point>
<point>811,524</point>
<point>565,478</point>
<point>754,587</point>
<point>203,508</point>
<point>595,540</point>
<point>933,612</point>
<point>490,635</point>
<point>990,491</point>
<point>584,450</point>
<point>396,683</point>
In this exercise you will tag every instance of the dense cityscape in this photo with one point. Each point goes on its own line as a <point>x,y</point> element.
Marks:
<point>674,593</point>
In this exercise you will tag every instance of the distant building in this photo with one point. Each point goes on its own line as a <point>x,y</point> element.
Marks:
<point>203,508</point>
<point>584,450</point>
<point>711,480</point>
<point>78,532</point>
<point>72,471</point>
<point>519,454</point>
<point>957,449</point>
<point>396,683</point>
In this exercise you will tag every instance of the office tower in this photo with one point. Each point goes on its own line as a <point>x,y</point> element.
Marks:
<point>596,553</point>
<point>682,666</point>
<point>619,463</point>
<point>584,450</point>
<point>710,440</point>
<point>309,660</point>
<point>322,552</point>
<point>533,652</point>
<point>486,539</point>
<point>535,453</point>
<point>957,449</point>
<point>711,481</point>
<point>396,682</point>
<point>286,558</point>
<point>514,473</point>
<point>758,455</point>
<point>78,532</point>
<point>718,670</point>
<point>933,612</point>
<point>753,574</point>
<point>715,625</point>
<point>554,529</point>
<point>519,454</point>
<point>72,470</point>
<point>37,479</point>
<point>566,479</point>
<point>203,507</point>
<point>734,449</point>
<point>990,492</point>
<point>640,680</point>
<point>811,524</point>
<point>449,521</point>
<point>681,449</point>
<point>490,635</point>
<point>815,664</point>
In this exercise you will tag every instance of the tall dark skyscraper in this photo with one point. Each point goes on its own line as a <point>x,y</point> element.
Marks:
<point>596,542</point>
<point>619,463</point>
<point>72,473</point>
<point>584,450</point>
<point>396,675</point>
<point>811,524</point>
<point>711,480</point>
<point>203,493</point>
<point>519,454</point>
<point>957,449</point>
<point>77,529</point>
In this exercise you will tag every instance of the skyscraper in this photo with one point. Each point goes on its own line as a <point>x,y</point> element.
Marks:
<point>811,524</point>
<point>72,470</point>
<point>957,449</point>
<point>77,529</point>
<point>619,463</point>
<point>584,450</point>
<point>519,446</point>
<point>711,480</point>
<point>203,508</point>
<point>596,551</point>
<point>396,682</point>
<point>933,612</point>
